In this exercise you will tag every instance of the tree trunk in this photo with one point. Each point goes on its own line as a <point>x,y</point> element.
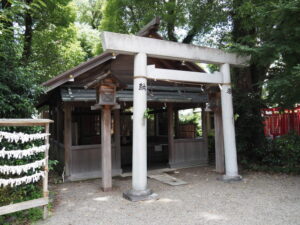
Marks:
<point>28,34</point>
<point>247,91</point>
<point>171,22</point>
<point>190,36</point>
<point>7,24</point>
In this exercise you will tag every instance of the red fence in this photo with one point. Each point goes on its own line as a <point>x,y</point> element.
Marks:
<point>278,123</point>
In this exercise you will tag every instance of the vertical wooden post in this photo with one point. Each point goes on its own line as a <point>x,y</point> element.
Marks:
<point>176,123</point>
<point>219,138</point>
<point>45,179</point>
<point>106,148</point>
<point>117,137</point>
<point>204,128</point>
<point>170,132</point>
<point>156,120</point>
<point>67,137</point>
<point>58,127</point>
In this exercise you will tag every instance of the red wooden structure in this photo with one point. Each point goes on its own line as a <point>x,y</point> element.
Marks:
<point>278,123</point>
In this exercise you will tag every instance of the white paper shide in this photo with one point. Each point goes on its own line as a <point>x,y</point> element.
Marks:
<point>19,154</point>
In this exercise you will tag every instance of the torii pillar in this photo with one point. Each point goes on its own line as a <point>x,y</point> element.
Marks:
<point>231,166</point>
<point>139,189</point>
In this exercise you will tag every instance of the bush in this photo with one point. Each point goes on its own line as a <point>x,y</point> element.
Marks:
<point>279,155</point>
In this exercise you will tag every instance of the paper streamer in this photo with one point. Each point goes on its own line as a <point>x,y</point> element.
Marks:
<point>18,154</point>
<point>22,168</point>
<point>23,180</point>
<point>23,137</point>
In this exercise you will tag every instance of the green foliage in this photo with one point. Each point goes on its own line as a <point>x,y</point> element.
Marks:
<point>192,118</point>
<point>18,88</point>
<point>181,20</point>
<point>55,45</point>
<point>279,155</point>
<point>56,50</point>
<point>270,31</point>
<point>249,126</point>
<point>284,87</point>
<point>22,217</point>
<point>89,12</point>
<point>89,40</point>
<point>147,114</point>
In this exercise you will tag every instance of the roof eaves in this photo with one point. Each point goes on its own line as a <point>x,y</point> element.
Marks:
<point>76,71</point>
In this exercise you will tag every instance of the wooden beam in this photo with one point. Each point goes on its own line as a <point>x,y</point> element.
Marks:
<point>67,137</point>
<point>23,205</point>
<point>106,148</point>
<point>170,88</point>
<point>183,76</point>
<point>171,148</point>
<point>97,80</point>
<point>24,122</point>
<point>131,44</point>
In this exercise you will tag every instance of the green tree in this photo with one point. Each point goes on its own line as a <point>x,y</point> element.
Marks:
<point>268,31</point>
<point>34,50</point>
<point>89,12</point>
<point>89,39</point>
<point>55,47</point>
<point>184,21</point>
<point>284,75</point>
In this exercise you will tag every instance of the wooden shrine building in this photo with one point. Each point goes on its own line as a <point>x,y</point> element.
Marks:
<point>93,107</point>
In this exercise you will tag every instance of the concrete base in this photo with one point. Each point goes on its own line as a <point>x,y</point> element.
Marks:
<point>226,178</point>
<point>136,196</point>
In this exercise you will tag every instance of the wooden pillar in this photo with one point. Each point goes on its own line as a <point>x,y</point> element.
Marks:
<point>45,179</point>
<point>156,121</point>
<point>117,137</point>
<point>67,137</point>
<point>106,148</point>
<point>176,123</point>
<point>219,138</point>
<point>170,132</point>
<point>204,128</point>
<point>57,120</point>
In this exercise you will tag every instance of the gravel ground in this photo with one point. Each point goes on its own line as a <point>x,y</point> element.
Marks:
<point>258,199</point>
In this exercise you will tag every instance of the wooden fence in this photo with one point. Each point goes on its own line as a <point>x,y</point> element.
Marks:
<point>40,201</point>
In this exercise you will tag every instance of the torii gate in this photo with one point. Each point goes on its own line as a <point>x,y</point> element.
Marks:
<point>142,47</point>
